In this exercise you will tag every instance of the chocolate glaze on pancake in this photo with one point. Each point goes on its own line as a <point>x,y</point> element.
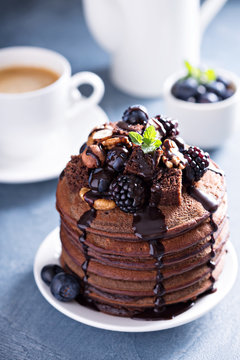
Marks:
<point>152,263</point>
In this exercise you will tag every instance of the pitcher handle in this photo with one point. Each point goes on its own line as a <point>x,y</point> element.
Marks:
<point>209,10</point>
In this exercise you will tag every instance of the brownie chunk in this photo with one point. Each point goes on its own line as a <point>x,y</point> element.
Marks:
<point>76,173</point>
<point>167,188</point>
<point>143,165</point>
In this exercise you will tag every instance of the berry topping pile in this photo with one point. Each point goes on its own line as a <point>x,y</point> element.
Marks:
<point>202,86</point>
<point>139,161</point>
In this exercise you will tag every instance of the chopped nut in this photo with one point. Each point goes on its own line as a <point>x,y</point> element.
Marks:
<point>82,192</point>
<point>112,142</point>
<point>100,133</point>
<point>99,204</point>
<point>104,204</point>
<point>93,156</point>
<point>172,157</point>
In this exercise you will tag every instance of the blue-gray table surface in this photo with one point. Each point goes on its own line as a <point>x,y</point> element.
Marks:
<point>30,328</point>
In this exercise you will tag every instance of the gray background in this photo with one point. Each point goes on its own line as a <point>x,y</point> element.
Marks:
<point>29,327</point>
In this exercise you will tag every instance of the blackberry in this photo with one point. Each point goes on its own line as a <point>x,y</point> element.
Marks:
<point>198,162</point>
<point>136,114</point>
<point>170,126</point>
<point>128,192</point>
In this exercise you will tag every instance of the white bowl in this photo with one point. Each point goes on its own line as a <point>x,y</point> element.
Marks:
<point>204,125</point>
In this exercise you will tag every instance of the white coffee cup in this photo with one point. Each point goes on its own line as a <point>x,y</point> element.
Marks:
<point>205,125</point>
<point>149,39</point>
<point>28,120</point>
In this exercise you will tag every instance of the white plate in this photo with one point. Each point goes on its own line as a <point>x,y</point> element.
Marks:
<point>48,253</point>
<point>51,161</point>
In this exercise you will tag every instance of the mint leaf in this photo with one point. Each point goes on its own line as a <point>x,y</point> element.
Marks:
<point>210,75</point>
<point>148,141</point>
<point>136,138</point>
<point>188,67</point>
<point>157,143</point>
<point>148,148</point>
<point>150,133</point>
<point>200,75</point>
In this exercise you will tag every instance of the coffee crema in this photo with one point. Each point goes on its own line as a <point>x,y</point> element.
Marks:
<point>21,79</point>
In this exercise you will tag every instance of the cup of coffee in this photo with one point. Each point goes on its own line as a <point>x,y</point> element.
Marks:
<point>37,96</point>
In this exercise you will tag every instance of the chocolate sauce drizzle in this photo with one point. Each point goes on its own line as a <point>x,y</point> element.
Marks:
<point>84,222</point>
<point>211,206</point>
<point>216,171</point>
<point>150,226</point>
<point>89,152</point>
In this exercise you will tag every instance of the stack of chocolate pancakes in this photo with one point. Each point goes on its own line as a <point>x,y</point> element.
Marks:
<point>152,256</point>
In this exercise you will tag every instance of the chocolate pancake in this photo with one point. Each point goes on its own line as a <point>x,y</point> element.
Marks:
<point>155,249</point>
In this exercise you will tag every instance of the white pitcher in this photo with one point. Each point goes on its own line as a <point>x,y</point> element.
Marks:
<point>149,39</point>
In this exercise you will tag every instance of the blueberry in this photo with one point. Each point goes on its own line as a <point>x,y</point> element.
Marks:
<point>228,93</point>
<point>225,82</point>
<point>201,89</point>
<point>208,97</point>
<point>216,87</point>
<point>185,88</point>
<point>192,99</point>
<point>100,179</point>
<point>82,148</point>
<point>49,271</point>
<point>136,114</point>
<point>116,158</point>
<point>65,287</point>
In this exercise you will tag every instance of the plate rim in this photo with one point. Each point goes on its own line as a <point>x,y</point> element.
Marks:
<point>148,326</point>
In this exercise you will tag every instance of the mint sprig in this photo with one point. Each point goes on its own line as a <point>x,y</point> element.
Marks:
<point>149,141</point>
<point>202,76</point>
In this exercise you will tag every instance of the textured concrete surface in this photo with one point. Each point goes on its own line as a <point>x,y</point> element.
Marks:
<point>29,327</point>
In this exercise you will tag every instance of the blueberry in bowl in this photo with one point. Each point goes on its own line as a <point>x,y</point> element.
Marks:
<point>206,104</point>
<point>202,86</point>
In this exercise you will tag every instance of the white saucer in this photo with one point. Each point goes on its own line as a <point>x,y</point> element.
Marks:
<point>48,253</point>
<point>51,161</point>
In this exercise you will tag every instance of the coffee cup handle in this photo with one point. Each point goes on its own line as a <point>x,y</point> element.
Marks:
<point>77,101</point>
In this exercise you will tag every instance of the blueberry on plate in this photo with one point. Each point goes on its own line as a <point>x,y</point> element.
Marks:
<point>65,287</point>
<point>49,271</point>
<point>185,88</point>
<point>208,98</point>
<point>136,114</point>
